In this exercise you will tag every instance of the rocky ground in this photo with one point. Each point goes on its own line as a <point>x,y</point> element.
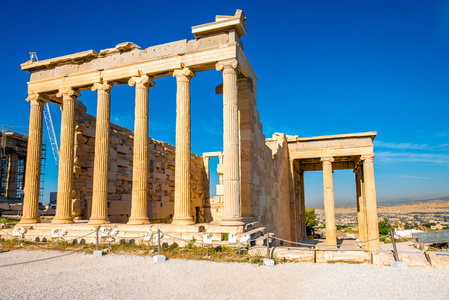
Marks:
<point>65,275</point>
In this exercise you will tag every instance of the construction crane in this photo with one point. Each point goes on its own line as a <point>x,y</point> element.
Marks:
<point>51,133</point>
<point>49,122</point>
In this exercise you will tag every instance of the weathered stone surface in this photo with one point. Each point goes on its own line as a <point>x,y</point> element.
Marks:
<point>294,254</point>
<point>414,258</point>
<point>439,260</point>
<point>343,256</point>
<point>383,258</point>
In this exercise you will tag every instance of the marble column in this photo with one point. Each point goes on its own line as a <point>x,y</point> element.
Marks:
<point>33,161</point>
<point>371,203</point>
<point>361,212</point>
<point>65,185</point>
<point>182,214</point>
<point>329,206</point>
<point>99,213</point>
<point>139,203</point>
<point>232,210</point>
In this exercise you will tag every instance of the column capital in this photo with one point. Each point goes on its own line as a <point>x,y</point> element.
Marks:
<point>102,86</point>
<point>327,159</point>
<point>142,81</point>
<point>37,97</point>
<point>184,74</point>
<point>367,158</point>
<point>68,91</point>
<point>224,65</point>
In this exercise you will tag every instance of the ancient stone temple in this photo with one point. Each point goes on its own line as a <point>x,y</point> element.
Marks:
<point>111,176</point>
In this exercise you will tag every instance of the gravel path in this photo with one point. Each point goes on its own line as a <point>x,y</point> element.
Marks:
<point>65,275</point>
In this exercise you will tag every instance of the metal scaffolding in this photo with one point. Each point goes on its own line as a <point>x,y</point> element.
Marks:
<point>13,152</point>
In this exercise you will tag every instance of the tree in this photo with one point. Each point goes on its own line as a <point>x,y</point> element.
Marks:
<point>384,227</point>
<point>311,217</point>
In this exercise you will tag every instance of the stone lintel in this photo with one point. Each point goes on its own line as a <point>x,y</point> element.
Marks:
<point>200,60</point>
<point>371,134</point>
<point>212,154</point>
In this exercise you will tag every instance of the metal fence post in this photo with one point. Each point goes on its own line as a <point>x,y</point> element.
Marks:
<point>396,257</point>
<point>97,252</point>
<point>158,242</point>
<point>268,248</point>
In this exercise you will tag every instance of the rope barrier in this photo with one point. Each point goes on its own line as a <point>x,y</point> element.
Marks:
<point>203,243</point>
<point>195,241</point>
<point>308,245</point>
<point>48,243</point>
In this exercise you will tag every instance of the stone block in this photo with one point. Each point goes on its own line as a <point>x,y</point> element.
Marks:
<point>159,258</point>
<point>126,197</point>
<point>439,260</point>
<point>123,149</point>
<point>343,256</point>
<point>89,131</point>
<point>122,162</point>
<point>398,264</point>
<point>294,254</point>
<point>383,258</point>
<point>414,259</point>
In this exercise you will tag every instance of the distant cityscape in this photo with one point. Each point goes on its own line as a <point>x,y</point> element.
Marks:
<point>424,214</point>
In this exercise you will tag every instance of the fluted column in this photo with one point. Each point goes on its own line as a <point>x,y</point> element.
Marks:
<point>139,204</point>
<point>371,203</point>
<point>361,211</point>
<point>99,213</point>
<point>33,161</point>
<point>231,172</point>
<point>329,206</point>
<point>64,198</point>
<point>182,214</point>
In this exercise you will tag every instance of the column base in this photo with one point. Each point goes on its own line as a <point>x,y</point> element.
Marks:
<point>332,242</point>
<point>67,220</point>
<point>373,245</point>
<point>29,221</point>
<point>237,221</point>
<point>98,221</point>
<point>182,221</point>
<point>138,221</point>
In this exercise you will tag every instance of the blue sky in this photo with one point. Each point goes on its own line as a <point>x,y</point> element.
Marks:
<point>324,67</point>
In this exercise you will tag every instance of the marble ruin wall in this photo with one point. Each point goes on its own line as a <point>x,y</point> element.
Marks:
<point>161,175</point>
<point>265,178</point>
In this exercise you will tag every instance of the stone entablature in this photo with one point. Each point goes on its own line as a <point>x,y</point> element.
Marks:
<point>126,60</point>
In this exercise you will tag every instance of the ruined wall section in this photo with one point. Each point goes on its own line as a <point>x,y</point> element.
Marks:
<point>265,170</point>
<point>161,176</point>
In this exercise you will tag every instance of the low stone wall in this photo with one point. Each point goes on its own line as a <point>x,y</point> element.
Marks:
<point>161,176</point>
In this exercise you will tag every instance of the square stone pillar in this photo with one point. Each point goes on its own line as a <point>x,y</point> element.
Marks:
<point>371,203</point>
<point>361,206</point>
<point>329,205</point>
<point>33,161</point>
